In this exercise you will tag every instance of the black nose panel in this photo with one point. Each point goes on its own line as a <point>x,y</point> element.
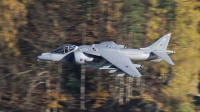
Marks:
<point>69,57</point>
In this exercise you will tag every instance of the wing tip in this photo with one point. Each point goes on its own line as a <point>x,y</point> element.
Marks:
<point>168,34</point>
<point>172,64</point>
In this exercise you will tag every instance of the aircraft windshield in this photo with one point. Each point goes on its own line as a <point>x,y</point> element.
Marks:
<point>64,49</point>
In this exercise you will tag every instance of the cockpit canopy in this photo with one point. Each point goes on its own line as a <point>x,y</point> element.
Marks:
<point>64,49</point>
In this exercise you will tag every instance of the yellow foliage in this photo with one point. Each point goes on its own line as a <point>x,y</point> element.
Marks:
<point>185,33</point>
<point>104,1</point>
<point>147,97</point>
<point>55,97</point>
<point>156,23</point>
<point>100,95</point>
<point>27,1</point>
<point>115,13</point>
<point>118,7</point>
<point>154,2</point>
<point>54,94</point>
<point>185,41</point>
<point>13,15</point>
<point>58,97</point>
<point>62,97</point>
<point>180,88</point>
<point>187,19</point>
<point>54,104</point>
<point>187,55</point>
<point>11,45</point>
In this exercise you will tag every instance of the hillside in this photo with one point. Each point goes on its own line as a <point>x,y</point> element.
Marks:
<point>31,27</point>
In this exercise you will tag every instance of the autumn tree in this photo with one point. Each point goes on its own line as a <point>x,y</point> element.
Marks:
<point>185,41</point>
<point>13,16</point>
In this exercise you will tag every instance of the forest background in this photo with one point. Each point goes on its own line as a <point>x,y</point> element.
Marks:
<point>30,27</point>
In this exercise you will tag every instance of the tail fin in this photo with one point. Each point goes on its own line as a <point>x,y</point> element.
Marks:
<point>159,48</point>
<point>160,44</point>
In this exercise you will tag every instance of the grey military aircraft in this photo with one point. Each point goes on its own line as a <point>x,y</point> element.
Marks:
<point>113,57</point>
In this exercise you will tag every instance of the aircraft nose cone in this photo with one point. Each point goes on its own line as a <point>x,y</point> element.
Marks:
<point>38,57</point>
<point>44,56</point>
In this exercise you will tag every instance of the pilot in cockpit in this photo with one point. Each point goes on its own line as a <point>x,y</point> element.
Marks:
<point>64,49</point>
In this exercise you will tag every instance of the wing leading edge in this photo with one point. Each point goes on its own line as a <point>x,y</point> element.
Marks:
<point>120,61</point>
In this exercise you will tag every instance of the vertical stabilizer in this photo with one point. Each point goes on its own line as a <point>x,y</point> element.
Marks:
<point>160,44</point>
<point>159,48</point>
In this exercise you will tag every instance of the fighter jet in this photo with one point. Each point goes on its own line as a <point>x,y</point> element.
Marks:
<point>110,56</point>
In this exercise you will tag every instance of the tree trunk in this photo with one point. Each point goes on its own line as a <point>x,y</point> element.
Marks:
<point>121,90</point>
<point>142,89</point>
<point>1,80</point>
<point>129,86</point>
<point>48,91</point>
<point>82,87</point>
<point>82,97</point>
<point>32,87</point>
<point>13,88</point>
<point>1,88</point>
<point>138,81</point>
<point>13,83</point>
<point>129,79</point>
<point>99,72</point>
<point>99,79</point>
<point>58,82</point>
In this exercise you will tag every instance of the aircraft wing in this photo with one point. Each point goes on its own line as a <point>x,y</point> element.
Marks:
<point>120,61</point>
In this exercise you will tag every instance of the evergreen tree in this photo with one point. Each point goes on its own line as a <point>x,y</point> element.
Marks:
<point>134,20</point>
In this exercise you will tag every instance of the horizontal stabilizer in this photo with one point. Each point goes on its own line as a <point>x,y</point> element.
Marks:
<point>164,56</point>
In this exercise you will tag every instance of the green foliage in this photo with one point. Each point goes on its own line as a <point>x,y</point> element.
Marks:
<point>185,108</point>
<point>161,16</point>
<point>134,19</point>
<point>72,84</point>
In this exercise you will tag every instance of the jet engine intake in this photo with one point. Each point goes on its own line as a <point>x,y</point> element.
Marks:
<point>81,58</point>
